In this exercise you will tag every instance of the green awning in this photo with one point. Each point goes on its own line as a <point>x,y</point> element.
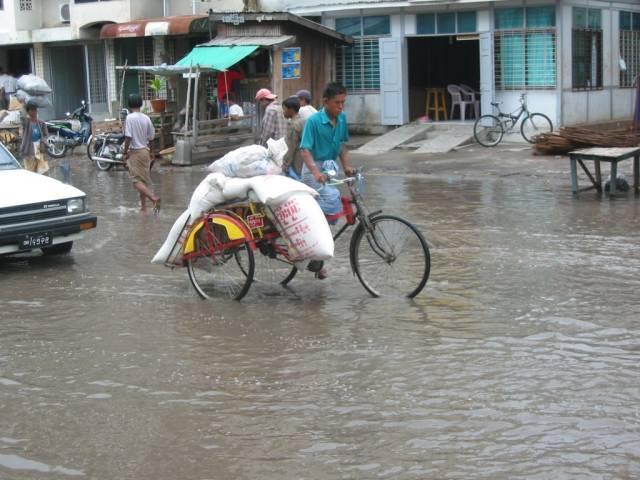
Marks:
<point>216,58</point>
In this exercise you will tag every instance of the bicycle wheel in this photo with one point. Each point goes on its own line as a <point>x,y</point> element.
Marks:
<point>534,125</point>
<point>391,258</point>
<point>488,130</point>
<point>220,272</point>
<point>271,265</point>
<point>55,146</point>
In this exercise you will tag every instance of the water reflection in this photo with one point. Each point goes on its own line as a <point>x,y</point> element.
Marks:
<point>519,360</point>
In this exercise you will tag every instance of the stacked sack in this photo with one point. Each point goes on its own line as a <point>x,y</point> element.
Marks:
<point>251,161</point>
<point>35,89</point>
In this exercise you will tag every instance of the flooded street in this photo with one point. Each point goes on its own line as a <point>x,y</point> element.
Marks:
<point>520,359</point>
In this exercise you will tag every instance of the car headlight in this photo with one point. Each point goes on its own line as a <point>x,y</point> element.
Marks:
<point>75,205</point>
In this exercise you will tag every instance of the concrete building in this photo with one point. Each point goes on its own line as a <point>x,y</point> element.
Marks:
<point>59,40</point>
<point>576,59</point>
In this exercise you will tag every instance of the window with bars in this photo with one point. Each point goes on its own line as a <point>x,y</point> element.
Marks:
<point>586,50</point>
<point>525,48</point>
<point>629,47</point>
<point>97,74</point>
<point>26,5</point>
<point>145,57</point>
<point>358,66</point>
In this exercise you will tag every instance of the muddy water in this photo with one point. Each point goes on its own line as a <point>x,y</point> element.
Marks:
<point>519,360</point>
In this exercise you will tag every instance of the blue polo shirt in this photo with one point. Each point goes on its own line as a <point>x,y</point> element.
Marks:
<point>321,138</point>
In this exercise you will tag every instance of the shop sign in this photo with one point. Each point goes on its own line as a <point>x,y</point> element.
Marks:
<point>291,63</point>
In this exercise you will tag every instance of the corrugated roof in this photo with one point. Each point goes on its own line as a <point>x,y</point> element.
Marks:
<point>280,40</point>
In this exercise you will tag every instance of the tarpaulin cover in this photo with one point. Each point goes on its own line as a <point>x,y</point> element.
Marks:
<point>217,58</point>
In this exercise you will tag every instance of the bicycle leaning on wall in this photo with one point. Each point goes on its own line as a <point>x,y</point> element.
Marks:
<point>489,129</point>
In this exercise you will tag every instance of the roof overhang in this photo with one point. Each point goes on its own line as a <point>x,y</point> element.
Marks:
<point>178,25</point>
<point>279,41</point>
<point>238,18</point>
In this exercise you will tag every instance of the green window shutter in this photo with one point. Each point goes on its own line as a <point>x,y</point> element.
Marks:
<point>446,22</point>
<point>377,25</point>
<point>625,20</point>
<point>426,23</point>
<point>467,22</point>
<point>579,17</point>
<point>509,18</point>
<point>349,26</point>
<point>541,17</point>
<point>595,19</point>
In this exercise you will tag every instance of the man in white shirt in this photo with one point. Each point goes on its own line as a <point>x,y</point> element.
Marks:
<point>235,110</point>
<point>306,109</point>
<point>138,132</point>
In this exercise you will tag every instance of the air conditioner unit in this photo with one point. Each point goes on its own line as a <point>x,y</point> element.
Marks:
<point>65,16</point>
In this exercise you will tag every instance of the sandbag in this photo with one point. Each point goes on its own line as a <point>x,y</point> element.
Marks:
<point>301,222</point>
<point>207,194</point>
<point>171,250</point>
<point>41,101</point>
<point>33,85</point>
<point>276,150</point>
<point>245,162</point>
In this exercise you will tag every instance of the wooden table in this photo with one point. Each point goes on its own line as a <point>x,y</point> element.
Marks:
<point>601,154</point>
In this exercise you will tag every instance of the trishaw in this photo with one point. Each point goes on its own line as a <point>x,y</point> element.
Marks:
<point>388,254</point>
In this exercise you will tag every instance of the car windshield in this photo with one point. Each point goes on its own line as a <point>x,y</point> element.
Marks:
<point>7,162</point>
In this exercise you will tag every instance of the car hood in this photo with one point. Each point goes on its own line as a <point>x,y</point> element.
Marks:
<point>21,187</point>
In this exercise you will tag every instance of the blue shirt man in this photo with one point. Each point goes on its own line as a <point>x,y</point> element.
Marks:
<point>324,140</point>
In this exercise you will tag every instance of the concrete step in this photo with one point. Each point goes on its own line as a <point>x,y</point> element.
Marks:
<point>390,140</point>
<point>444,139</point>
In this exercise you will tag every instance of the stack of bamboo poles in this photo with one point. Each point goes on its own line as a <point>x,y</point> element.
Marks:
<point>570,138</point>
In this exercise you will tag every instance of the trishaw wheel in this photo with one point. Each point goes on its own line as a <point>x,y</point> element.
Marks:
<point>272,267</point>
<point>220,272</point>
<point>391,257</point>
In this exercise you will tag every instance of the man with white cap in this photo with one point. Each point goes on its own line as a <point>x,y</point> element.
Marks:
<point>274,125</point>
<point>306,109</point>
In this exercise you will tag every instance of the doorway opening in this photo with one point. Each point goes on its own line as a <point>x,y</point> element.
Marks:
<point>18,61</point>
<point>439,61</point>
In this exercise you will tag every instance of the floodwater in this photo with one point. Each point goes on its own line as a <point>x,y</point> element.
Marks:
<point>519,359</point>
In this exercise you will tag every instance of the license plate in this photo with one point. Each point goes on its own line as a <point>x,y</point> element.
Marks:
<point>255,221</point>
<point>36,240</point>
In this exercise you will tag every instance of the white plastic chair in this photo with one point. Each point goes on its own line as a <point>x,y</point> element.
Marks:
<point>457,99</point>
<point>473,96</point>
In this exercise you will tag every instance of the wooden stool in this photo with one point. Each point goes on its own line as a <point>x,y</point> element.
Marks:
<point>436,101</point>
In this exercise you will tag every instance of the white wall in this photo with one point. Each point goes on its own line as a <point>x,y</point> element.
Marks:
<point>29,19</point>
<point>84,14</point>
<point>51,12</point>
<point>7,19</point>
<point>145,9</point>
<point>186,7</point>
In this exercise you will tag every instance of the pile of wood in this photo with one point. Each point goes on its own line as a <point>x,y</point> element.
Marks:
<point>571,138</point>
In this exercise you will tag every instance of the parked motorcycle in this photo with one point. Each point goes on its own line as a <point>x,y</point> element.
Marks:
<point>62,137</point>
<point>106,149</point>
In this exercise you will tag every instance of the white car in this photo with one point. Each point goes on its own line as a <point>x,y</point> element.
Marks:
<point>38,212</point>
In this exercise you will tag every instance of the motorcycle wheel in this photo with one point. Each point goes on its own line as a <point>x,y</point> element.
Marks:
<point>56,147</point>
<point>93,147</point>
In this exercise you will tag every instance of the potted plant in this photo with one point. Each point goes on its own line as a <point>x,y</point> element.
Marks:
<point>158,105</point>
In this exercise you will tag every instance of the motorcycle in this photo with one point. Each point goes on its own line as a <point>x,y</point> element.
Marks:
<point>64,137</point>
<point>106,149</point>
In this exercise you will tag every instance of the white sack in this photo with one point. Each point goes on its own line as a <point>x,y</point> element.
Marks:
<point>171,250</point>
<point>245,162</point>
<point>300,220</point>
<point>275,189</point>
<point>42,101</point>
<point>33,85</point>
<point>207,194</point>
<point>277,150</point>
